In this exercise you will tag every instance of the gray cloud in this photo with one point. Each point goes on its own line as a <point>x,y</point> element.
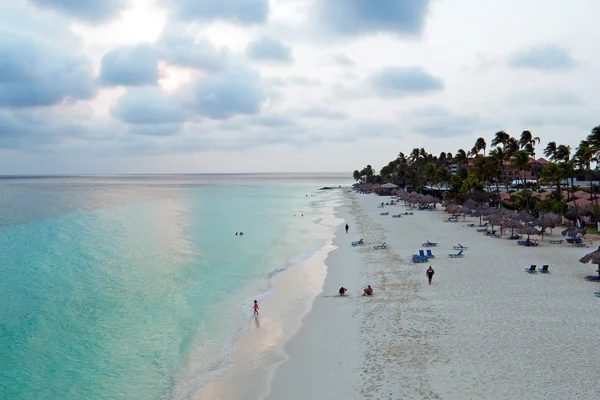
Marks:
<point>321,113</point>
<point>149,106</point>
<point>358,17</point>
<point>546,97</point>
<point>179,48</point>
<point>542,58</point>
<point>130,66</point>
<point>404,81</point>
<point>268,49</point>
<point>29,128</point>
<point>343,60</point>
<point>236,91</point>
<point>439,122</point>
<point>93,11</point>
<point>238,11</point>
<point>36,72</point>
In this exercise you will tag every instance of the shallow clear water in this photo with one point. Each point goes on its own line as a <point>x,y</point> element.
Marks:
<point>136,287</point>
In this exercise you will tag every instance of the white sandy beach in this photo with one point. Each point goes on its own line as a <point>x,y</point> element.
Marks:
<point>485,328</point>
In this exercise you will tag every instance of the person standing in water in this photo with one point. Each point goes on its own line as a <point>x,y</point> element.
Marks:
<point>255,307</point>
<point>430,273</point>
<point>347,227</point>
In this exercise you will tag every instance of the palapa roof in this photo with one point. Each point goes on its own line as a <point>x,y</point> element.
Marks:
<point>579,203</point>
<point>388,186</point>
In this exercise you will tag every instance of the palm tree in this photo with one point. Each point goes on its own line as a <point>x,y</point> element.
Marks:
<point>479,145</point>
<point>550,150</point>
<point>527,142</point>
<point>520,163</point>
<point>584,156</point>
<point>356,175</point>
<point>501,138</point>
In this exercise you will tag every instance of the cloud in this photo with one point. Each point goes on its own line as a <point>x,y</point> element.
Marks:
<point>542,58</point>
<point>273,121</point>
<point>179,48</point>
<point>302,81</point>
<point>32,128</point>
<point>268,49</point>
<point>546,97</point>
<point>343,60</point>
<point>321,113</point>
<point>243,12</point>
<point>404,81</point>
<point>149,106</point>
<point>93,11</point>
<point>234,92</point>
<point>130,66</point>
<point>359,17</point>
<point>35,71</point>
<point>440,123</point>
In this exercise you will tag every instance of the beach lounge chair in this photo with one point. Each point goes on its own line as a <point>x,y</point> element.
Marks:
<point>459,247</point>
<point>429,244</point>
<point>396,216</point>
<point>380,246</point>
<point>597,294</point>
<point>574,241</point>
<point>380,206</point>
<point>418,259</point>
<point>482,230</point>
<point>471,225</point>
<point>531,269</point>
<point>556,241</point>
<point>385,213</point>
<point>593,278</point>
<point>408,213</point>
<point>492,233</point>
<point>358,243</point>
<point>544,269</point>
<point>429,254</point>
<point>422,253</point>
<point>457,255</point>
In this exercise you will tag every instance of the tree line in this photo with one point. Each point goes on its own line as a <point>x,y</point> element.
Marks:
<point>486,169</point>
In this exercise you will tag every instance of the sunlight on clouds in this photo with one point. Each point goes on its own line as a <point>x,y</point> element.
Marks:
<point>172,77</point>
<point>142,23</point>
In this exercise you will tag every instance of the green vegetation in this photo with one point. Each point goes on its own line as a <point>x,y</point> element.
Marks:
<point>458,176</point>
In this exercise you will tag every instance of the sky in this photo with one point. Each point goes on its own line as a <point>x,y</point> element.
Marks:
<point>204,86</point>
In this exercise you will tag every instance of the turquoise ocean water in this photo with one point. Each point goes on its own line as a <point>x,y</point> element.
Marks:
<point>136,287</point>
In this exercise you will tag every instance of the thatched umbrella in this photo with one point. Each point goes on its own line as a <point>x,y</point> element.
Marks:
<point>472,204</point>
<point>575,212</point>
<point>452,208</point>
<point>480,212</point>
<point>593,257</point>
<point>525,217</point>
<point>573,231</point>
<point>512,224</point>
<point>529,230</point>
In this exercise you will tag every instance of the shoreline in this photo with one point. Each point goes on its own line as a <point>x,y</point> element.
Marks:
<point>323,351</point>
<point>258,350</point>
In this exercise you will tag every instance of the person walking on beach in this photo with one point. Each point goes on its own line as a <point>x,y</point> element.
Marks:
<point>430,273</point>
<point>342,291</point>
<point>347,227</point>
<point>255,307</point>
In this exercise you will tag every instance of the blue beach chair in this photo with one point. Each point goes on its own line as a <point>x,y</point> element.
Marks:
<point>457,255</point>
<point>531,269</point>
<point>429,254</point>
